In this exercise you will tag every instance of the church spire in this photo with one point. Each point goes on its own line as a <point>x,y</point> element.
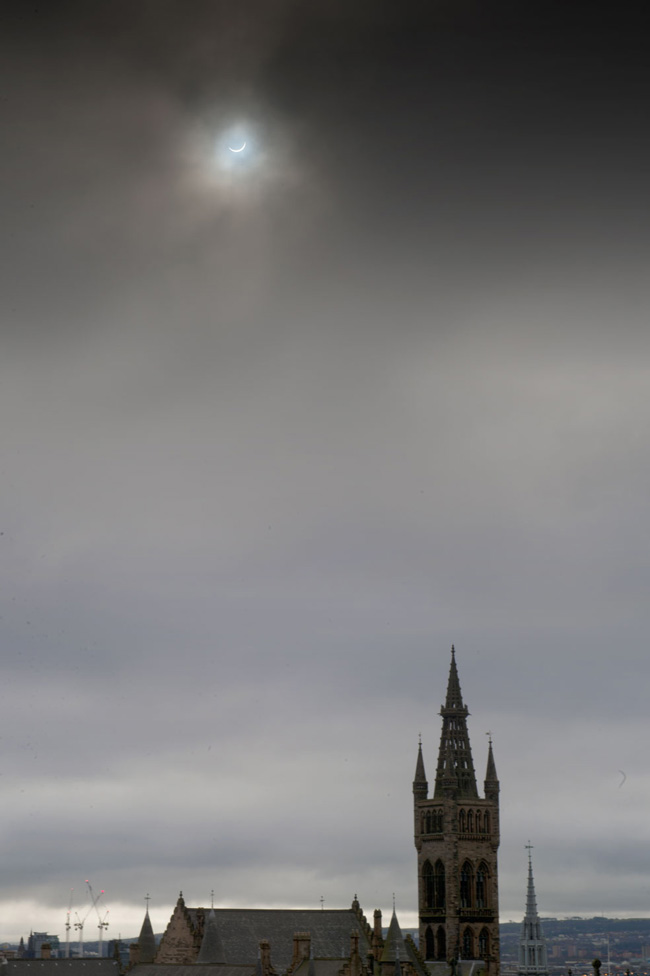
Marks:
<point>532,946</point>
<point>146,940</point>
<point>455,765</point>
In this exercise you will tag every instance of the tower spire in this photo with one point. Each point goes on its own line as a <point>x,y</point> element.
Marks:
<point>491,783</point>
<point>532,946</point>
<point>420,785</point>
<point>455,764</point>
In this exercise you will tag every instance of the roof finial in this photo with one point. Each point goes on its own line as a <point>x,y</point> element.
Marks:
<point>322,903</point>
<point>147,898</point>
<point>212,898</point>
<point>393,902</point>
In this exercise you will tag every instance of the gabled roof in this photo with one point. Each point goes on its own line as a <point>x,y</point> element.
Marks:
<point>242,929</point>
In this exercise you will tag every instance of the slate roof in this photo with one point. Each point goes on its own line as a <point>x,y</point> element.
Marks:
<point>59,967</point>
<point>195,969</point>
<point>242,929</point>
<point>322,967</point>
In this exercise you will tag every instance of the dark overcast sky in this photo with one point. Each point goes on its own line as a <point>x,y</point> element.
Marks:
<point>279,427</point>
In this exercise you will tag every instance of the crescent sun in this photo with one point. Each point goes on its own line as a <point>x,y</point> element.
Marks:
<point>237,150</point>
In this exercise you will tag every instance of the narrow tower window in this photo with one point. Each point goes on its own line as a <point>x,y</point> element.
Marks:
<point>441,944</point>
<point>481,885</point>
<point>428,885</point>
<point>466,879</point>
<point>439,885</point>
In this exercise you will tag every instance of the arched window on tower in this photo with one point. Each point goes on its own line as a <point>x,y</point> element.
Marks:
<point>479,822</point>
<point>462,822</point>
<point>439,885</point>
<point>429,944</point>
<point>468,943</point>
<point>439,821</point>
<point>484,944</point>
<point>427,884</point>
<point>482,885</point>
<point>486,822</point>
<point>441,944</point>
<point>466,879</point>
<point>470,821</point>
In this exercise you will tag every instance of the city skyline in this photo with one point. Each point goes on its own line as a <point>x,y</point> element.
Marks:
<point>281,425</point>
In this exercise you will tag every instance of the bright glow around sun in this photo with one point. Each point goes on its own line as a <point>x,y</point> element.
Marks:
<point>237,147</point>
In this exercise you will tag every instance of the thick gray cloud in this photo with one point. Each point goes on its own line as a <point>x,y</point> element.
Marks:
<point>275,436</point>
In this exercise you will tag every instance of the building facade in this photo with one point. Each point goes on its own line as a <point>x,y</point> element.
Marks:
<point>457,837</point>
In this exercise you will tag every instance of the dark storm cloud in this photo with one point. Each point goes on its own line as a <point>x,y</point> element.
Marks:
<point>273,439</point>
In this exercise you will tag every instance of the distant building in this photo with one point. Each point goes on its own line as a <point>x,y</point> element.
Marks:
<point>532,946</point>
<point>35,944</point>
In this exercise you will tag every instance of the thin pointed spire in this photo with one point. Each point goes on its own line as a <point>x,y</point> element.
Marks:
<point>531,900</point>
<point>455,765</point>
<point>532,946</point>
<point>491,771</point>
<point>454,696</point>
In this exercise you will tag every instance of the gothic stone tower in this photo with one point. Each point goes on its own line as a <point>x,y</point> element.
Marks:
<point>457,837</point>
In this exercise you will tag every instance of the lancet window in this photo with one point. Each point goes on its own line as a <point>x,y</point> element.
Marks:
<point>441,944</point>
<point>428,884</point>
<point>468,944</point>
<point>439,885</point>
<point>481,885</point>
<point>466,884</point>
<point>429,943</point>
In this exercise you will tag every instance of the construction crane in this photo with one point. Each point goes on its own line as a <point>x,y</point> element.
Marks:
<point>68,927</point>
<point>79,924</point>
<point>102,923</point>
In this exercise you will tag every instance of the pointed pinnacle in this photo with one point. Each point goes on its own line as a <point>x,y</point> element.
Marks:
<point>454,696</point>
<point>491,771</point>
